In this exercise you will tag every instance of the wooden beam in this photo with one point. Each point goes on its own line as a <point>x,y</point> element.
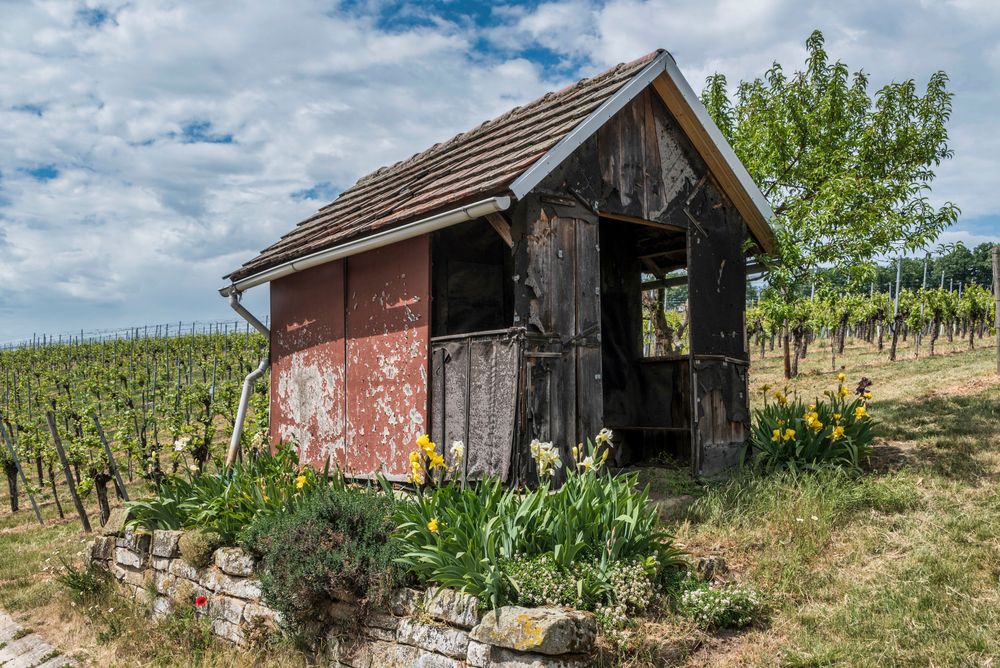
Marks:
<point>641,221</point>
<point>502,228</point>
<point>664,283</point>
<point>651,265</point>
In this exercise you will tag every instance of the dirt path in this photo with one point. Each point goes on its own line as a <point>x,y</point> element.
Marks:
<point>20,648</point>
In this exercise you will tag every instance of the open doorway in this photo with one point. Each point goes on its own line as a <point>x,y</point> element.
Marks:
<point>645,340</point>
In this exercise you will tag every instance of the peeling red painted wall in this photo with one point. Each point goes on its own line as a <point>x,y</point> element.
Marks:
<point>349,366</point>
<point>307,355</point>
<point>388,336</point>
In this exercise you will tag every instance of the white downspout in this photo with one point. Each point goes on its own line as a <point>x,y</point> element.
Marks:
<point>241,413</point>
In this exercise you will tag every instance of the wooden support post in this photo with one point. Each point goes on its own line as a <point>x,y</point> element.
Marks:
<point>111,457</point>
<point>27,489</point>
<point>996,299</point>
<point>51,418</point>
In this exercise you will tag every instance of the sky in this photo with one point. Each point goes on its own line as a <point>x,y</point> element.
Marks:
<point>147,148</point>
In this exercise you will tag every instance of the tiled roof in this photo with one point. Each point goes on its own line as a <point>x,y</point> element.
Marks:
<point>476,164</point>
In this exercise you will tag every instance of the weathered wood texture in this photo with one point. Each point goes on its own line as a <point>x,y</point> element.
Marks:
<point>716,298</point>
<point>639,166</point>
<point>716,276</point>
<point>557,264</point>
<point>474,398</point>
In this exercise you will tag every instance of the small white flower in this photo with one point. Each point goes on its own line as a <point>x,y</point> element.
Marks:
<point>799,519</point>
<point>457,451</point>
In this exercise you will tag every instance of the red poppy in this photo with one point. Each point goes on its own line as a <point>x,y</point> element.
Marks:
<point>200,601</point>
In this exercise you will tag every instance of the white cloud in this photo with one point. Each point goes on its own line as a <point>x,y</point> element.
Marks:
<point>141,220</point>
<point>139,223</point>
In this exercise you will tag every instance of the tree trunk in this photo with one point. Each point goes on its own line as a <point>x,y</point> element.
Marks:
<point>881,338</point>
<point>799,336</point>
<point>41,474</point>
<point>10,468</point>
<point>101,481</point>
<point>787,352</point>
<point>935,332</point>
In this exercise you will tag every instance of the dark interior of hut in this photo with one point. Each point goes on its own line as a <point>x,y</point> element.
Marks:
<point>644,340</point>
<point>472,290</point>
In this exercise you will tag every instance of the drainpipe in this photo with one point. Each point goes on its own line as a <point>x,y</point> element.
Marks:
<point>241,413</point>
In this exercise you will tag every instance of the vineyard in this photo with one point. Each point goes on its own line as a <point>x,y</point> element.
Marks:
<point>145,403</point>
<point>879,319</point>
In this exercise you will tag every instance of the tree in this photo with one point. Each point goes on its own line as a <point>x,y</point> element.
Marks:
<point>847,174</point>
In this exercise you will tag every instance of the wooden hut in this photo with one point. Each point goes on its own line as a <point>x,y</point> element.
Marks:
<point>489,289</point>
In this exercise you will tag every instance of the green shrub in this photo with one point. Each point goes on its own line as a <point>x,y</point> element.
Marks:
<point>788,434</point>
<point>719,606</point>
<point>265,483</point>
<point>459,536</point>
<point>337,539</point>
<point>198,546</point>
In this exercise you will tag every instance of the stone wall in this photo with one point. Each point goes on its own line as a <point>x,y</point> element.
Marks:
<point>438,628</point>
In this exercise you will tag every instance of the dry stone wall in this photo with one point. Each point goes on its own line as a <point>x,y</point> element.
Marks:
<point>438,628</point>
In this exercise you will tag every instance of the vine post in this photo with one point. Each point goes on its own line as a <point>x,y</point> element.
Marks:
<point>17,463</point>
<point>51,418</point>
<point>996,299</point>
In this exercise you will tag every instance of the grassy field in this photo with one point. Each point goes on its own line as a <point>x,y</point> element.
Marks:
<point>898,567</point>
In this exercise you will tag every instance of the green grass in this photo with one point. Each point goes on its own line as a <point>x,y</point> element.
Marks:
<point>900,566</point>
<point>895,567</point>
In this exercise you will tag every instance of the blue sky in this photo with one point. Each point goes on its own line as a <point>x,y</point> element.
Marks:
<point>147,148</point>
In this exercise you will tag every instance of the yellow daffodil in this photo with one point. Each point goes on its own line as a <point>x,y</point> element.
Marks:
<point>435,461</point>
<point>841,377</point>
<point>867,396</point>
<point>776,435</point>
<point>789,434</point>
<point>433,526</point>
<point>576,453</point>
<point>425,443</point>
<point>836,417</point>
<point>860,412</point>
<point>838,433</point>
<point>812,407</point>
<point>843,391</point>
<point>300,482</point>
